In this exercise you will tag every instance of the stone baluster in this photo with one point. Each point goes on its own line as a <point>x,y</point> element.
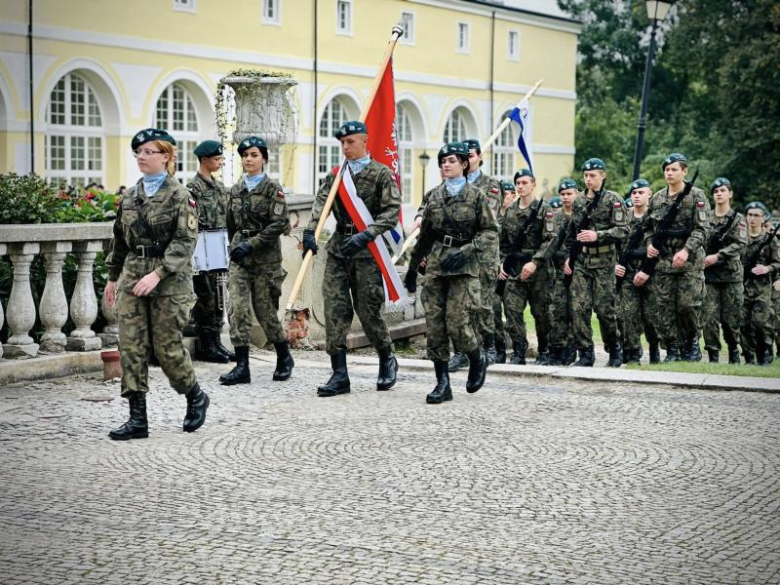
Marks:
<point>21,307</point>
<point>3,252</point>
<point>110,333</point>
<point>83,304</point>
<point>53,308</point>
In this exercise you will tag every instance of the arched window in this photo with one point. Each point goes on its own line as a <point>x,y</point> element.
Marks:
<point>74,141</point>
<point>175,113</point>
<point>405,152</point>
<point>455,128</point>
<point>504,153</point>
<point>329,151</point>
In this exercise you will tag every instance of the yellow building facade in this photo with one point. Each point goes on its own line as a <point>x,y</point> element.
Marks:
<point>103,69</point>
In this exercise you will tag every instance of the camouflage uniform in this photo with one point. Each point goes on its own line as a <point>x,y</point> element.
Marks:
<point>157,234</point>
<point>559,312</point>
<point>776,322</point>
<point>757,310</point>
<point>679,291</point>
<point>488,260</point>
<point>724,299</point>
<point>210,195</point>
<point>260,218</point>
<point>354,285</point>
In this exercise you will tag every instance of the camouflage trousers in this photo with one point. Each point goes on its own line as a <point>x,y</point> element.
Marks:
<point>559,311</point>
<point>518,294</point>
<point>593,290</point>
<point>499,308</point>
<point>678,297</point>
<point>206,312</point>
<point>449,302</point>
<point>637,314</point>
<point>349,287</point>
<point>758,316</point>
<point>146,322</point>
<point>722,308</point>
<point>776,323</point>
<point>485,324</point>
<point>257,288</point>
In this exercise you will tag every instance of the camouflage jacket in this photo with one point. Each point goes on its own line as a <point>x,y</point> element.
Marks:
<point>728,268</point>
<point>259,217</point>
<point>491,189</point>
<point>635,257</point>
<point>610,222</point>
<point>760,287</point>
<point>466,217</point>
<point>377,188</point>
<point>211,196</point>
<point>166,225</point>
<point>537,239</point>
<point>692,223</point>
<point>558,230</point>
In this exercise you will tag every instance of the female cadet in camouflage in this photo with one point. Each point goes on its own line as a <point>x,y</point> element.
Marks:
<point>154,237</point>
<point>256,218</point>
<point>723,274</point>
<point>457,226</point>
<point>509,196</point>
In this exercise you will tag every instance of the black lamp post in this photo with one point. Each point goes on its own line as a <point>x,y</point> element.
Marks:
<point>656,12</point>
<point>424,159</point>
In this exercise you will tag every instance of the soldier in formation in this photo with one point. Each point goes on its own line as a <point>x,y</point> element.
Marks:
<point>499,307</point>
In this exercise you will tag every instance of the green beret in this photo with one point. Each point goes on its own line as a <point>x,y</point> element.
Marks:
<point>638,184</point>
<point>251,141</point>
<point>208,148</point>
<point>473,144</point>
<point>459,149</point>
<point>673,158</point>
<point>720,182</point>
<point>151,134</point>
<point>507,186</point>
<point>628,201</point>
<point>350,128</point>
<point>757,205</point>
<point>594,164</point>
<point>567,184</point>
<point>524,173</point>
<point>555,202</point>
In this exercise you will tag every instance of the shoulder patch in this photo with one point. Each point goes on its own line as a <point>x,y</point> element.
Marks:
<point>700,204</point>
<point>550,214</point>
<point>280,194</point>
<point>494,191</point>
<point>742,224</point>
<point>192,202</point>
<point>616,204</point>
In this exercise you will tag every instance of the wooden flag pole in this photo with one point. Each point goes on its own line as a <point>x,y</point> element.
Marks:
<point>398,30</point>
<point>485,145</point>
<point>410,239</point>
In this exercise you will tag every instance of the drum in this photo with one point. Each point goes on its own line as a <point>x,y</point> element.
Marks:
<point>211,251</point>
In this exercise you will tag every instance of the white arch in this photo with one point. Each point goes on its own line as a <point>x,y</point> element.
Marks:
<point>202,94</point>
<point>415,111</point>
<point>470,118</point>
<point>106,92</point>
<point>349,98</point>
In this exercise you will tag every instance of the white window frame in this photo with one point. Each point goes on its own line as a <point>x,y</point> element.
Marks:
<point>504,150</point>
<point>327,144</point>
<point>405,146</point>
<point>186,139</point>
<point>347,30</point>
<point>460,48</point>
<point>513,55</point>
<point>185,6</point>
<point>455,117</point>
<point>275,20</point>
<point>408,21</point>
<point>273,166</point>
<point>70,133</point>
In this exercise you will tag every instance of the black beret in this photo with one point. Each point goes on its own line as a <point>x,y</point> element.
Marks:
<point>758,205</point>
<point>673,158</point>
<point>459,149</point>
<point>720,182</point>
<point>523,173</point>
<point>594,164</point>
<point>151,134</point>
<point>555,202</point>
<point>350,128</point>
<point>208,148</point>
<point>473,144</point>
<point>629,202</point>
<point>507,186</point>
<point>251,141</point>
<point>638,184</point>
<point>567,184</point>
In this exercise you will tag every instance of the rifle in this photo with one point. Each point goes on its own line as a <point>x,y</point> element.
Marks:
<point>515,256</point>
<point>754,258</point>
<point>630,253</point>
<point>576,247</point>
<point>716,242</point>
<point>664,230</point>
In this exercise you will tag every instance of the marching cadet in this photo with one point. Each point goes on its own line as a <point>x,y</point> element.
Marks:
<point>679,274</point>
<point>723,274</point>
<point>562,352</point>
<point>458,226</point>
<point>524,258</point>
<point>151,250</point>
<point>210,195</point>
<point>636,303</point>
<point>598,224</point>
<point>499,308</point>
<point>256,219</point>
<point>761,263</point>
<point>776,307</point>
<point>352,282</point>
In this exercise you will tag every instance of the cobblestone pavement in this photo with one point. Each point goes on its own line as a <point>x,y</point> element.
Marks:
<point>526,481</point>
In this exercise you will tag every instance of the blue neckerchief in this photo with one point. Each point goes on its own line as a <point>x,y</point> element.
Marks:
<point>359,164</point>
<point>152,183</point>
<point>455,186</point>
<point>474,176</point>
<point>252,181</point>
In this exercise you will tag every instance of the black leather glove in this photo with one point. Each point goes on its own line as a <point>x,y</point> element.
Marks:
<point>353,244</point>
<point>309,242</point>
<point>410,280</point>
<point>240,252</point>
<point>453,262</point>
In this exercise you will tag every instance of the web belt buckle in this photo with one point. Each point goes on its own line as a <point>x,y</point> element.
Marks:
<point>447,241</point>
<point>349,229</point>
<point>142,250</point>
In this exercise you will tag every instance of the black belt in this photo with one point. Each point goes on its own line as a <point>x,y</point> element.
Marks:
<point>156,251</point>
<point>452,241</point>
<point>348,229</point>
<point>250,233</point>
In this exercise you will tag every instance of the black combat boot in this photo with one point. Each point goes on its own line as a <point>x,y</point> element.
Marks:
<point>714,355</point>
<point>764,355</point>
<point>197,405</point>
<point>749,356</point>
<point>221,348</point>
<point>284,362</point>
<point>733,354</point>
<point>477,370</point>
<point>339,381</point>
<point>587,358</point>
<point>500,350</point>
<point>672,352</point>
<point>388,369</point>
<point>655,353</point>
<point>692,352</point>
<point>632,356</point>
<point>615,355</point>
<point>208,351</point>
<point>489,346</point>
<point>556,356</point>
<point>543,356</point>
<point>239,374</point>
<point>518,357</point>
<point>442,392</point>
<point>569,355</point>
<point>457,361</point>
<point>136,426</point>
